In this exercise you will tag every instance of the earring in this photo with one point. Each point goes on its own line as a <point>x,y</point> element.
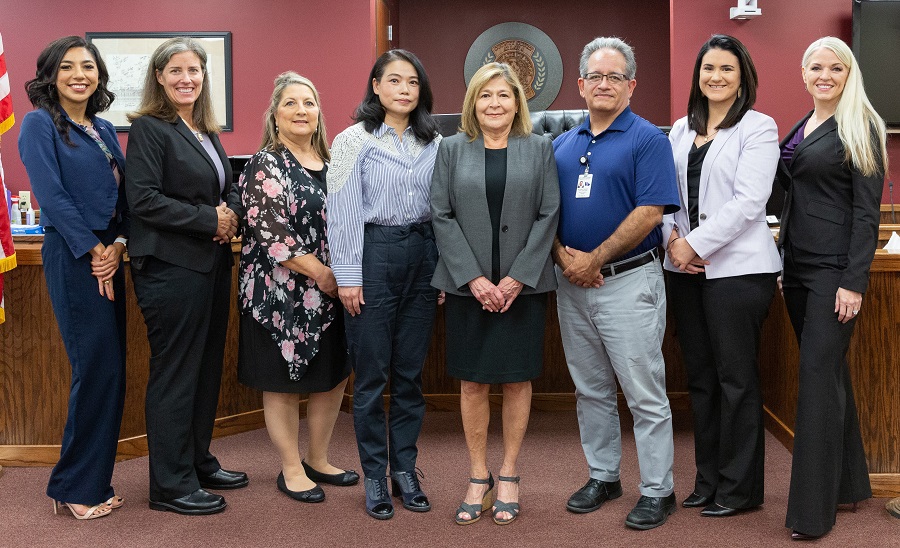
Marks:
<point>276,129</point>
<point>739,93</point>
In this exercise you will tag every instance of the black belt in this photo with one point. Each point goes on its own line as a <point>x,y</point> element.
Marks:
<point>629,264</point>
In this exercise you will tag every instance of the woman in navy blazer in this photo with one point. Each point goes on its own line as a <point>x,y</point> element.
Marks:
<point>495,206</point>
<point>75,166</point>
<point>181,259</point>
<point>833,167</point>
<point>722,264</point>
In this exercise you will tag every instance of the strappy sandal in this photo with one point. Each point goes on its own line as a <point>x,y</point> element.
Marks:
<point>115,501</point>
<point>511,508</point>
<point>96,511</point>
<point>475,510</point>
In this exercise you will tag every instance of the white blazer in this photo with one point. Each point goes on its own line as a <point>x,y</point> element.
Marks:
<point>735,184</point>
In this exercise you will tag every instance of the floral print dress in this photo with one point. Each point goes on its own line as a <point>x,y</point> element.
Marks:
<point>285,218</point>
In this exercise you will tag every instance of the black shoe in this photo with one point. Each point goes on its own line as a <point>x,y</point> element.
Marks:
<point>347,477</point>
<point>223,479</point>
<point>406,485</point>
<point>650,512</point>
<point>198,503</point>
<point>316,494</point>
<point>593,495</point>
<point>716,510</point>
<point>696,501</point>
<point>378,501</point>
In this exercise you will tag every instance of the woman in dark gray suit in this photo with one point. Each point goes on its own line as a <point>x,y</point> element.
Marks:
<point>495,205</point>
<point>833,166</point>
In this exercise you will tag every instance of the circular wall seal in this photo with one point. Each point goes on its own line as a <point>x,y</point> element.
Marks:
<point>531,54</point>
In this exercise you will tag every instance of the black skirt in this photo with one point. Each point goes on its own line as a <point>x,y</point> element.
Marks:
<point>261,365</point>
<point>489,347</point>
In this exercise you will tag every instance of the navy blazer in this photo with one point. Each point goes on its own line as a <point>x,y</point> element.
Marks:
<point>74,185</point>
<point>462,222</point>
<point>173,189</point>
<point>830,207</point>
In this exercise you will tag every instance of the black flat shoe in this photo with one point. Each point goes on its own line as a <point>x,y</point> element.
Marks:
<point>316,494</point>
<point>696,501</point>
<point>593,495</point>
<point>406,485</point>
<point>715,510</point>
<point>797,535</point>
<point>344,479</point>
<point>378,501</point>
<point>198,503</point>
<point>223,479</point>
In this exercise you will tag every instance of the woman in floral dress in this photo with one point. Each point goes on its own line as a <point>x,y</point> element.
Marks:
<point>292,334</point>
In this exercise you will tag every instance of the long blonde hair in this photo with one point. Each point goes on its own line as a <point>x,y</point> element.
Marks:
<point>270,140</point>
<point>855,117</point>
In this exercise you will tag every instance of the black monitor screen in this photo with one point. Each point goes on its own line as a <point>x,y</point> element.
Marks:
<point>876,45</point>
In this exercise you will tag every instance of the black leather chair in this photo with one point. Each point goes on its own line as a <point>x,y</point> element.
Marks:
<point>549,123</point>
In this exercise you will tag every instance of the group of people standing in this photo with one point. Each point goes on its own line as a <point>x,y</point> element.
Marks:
<point>393,220</point>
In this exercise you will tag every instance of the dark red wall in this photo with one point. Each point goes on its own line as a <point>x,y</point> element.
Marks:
<point>776,41</point>
<point>329,42</point>
<point>440,33</point>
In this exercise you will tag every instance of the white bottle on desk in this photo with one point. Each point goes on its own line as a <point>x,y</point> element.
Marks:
<point>15,215</point>
<point>29,216</point>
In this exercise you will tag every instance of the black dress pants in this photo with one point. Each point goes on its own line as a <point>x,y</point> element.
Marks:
<point>186,313</point>
<point>718,323</point>
<point>829,463</point>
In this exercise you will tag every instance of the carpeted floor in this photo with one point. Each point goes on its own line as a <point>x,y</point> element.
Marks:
<point>552,466</point>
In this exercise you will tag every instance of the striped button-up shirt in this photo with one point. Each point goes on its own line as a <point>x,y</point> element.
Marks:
<point>374,178</point>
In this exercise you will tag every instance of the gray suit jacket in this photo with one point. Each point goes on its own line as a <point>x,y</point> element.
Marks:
<point>462,224</point>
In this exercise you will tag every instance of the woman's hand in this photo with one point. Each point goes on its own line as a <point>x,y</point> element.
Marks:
<point>683,256</point>
<point>227,224</point>
<point>442,297</point>
<point>847,304</point>
<point>510,289</point>
<point>104,263</point>
<point>326,282</point>
<point>488,294</point>
<point>352,298</point>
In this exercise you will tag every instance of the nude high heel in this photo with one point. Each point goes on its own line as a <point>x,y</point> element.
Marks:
<point>97,511</point>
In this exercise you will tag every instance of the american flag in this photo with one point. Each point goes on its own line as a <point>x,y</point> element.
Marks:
<point>7,251</point>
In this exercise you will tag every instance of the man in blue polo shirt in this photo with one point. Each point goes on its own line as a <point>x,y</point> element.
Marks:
<point>617,178</point>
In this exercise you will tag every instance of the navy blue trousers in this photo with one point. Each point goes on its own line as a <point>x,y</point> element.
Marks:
<point>388,341</point>
<point>93,331</point>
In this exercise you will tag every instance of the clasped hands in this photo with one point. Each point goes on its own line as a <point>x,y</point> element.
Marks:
<point>683,256</point>
<point>580,268</point>
<point>495,298</point>
<point>104,263</point>
<point>227,224</point>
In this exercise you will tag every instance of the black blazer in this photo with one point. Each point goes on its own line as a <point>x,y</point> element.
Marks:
<point>830,207</point>
<point>173,189</point>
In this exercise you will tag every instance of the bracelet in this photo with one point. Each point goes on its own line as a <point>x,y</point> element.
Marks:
<point>123,241</point>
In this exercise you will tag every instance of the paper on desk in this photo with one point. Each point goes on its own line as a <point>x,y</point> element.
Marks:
<point>893,245</point>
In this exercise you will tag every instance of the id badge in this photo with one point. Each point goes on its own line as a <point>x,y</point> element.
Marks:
<point>583,190</point>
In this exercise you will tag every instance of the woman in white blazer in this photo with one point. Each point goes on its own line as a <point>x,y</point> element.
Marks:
<point>722,265</point>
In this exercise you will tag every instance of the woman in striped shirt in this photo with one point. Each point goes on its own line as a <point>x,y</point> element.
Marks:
<point>383,257</point>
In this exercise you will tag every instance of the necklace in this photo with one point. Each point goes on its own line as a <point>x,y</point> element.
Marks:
<point>708,136</point>
<point>196,133</point>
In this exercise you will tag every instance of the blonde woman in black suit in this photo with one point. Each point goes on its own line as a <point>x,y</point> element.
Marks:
<point>833,166</point>
<point>495,206</point>
<point>181,266</point>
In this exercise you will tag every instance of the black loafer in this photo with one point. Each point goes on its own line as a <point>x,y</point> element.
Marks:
<point>650,512</point>
<point>593,495</point>
<point>406,485</point>
<point>378,501</point>
<point>344,479</point>
<point>198,503</point>
<point>716,510</point>
<point>316,494</point>
<point>696,501</point>
<point>223,479</point>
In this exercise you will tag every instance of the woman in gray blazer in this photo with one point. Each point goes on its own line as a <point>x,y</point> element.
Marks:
<point>721,264</point>
<point>495,205</point>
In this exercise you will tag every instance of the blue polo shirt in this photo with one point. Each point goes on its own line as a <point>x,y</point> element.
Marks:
<point>632,165</point>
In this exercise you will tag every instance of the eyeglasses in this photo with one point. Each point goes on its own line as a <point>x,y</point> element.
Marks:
<point>615,78</point>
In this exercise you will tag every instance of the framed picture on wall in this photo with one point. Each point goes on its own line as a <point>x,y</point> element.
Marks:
<point>127,55</point>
